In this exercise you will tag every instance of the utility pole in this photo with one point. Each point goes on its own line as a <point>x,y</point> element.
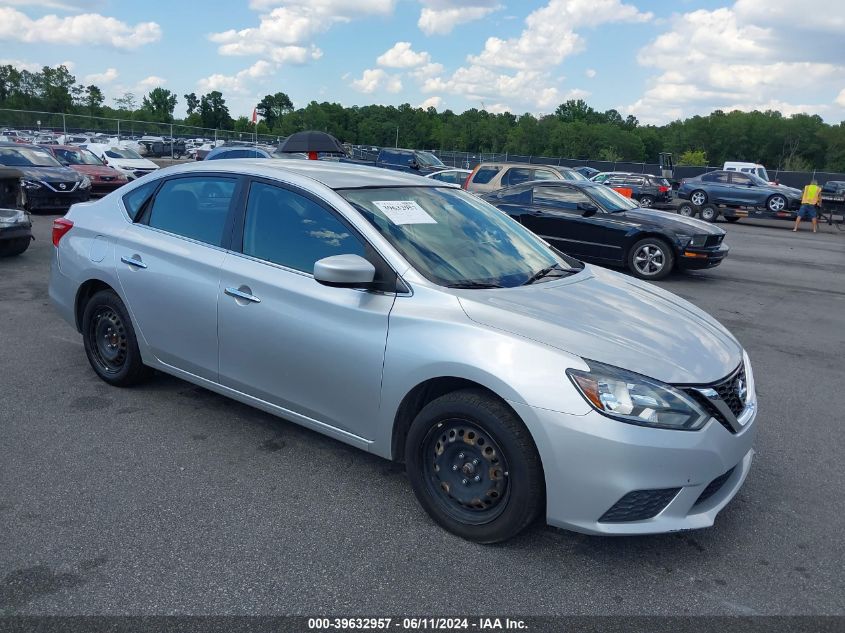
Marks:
<point>397,137</point>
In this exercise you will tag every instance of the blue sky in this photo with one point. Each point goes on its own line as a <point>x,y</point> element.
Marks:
<point>525,55</point>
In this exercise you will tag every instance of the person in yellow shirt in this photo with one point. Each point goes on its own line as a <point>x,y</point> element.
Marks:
<point>811,199</point>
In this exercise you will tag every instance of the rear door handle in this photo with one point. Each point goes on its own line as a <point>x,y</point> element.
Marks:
<point>133,262</point>
<point>240,294</point>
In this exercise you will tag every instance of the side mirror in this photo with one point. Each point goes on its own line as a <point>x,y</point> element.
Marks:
<point>588,209</point>
<point>344,271</point>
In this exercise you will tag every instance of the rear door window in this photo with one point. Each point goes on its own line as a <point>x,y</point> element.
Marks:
<point>740,179</point>
<point>516,176</point>
<point>195,207</point>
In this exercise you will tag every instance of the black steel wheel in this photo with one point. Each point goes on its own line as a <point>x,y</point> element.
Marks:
<point>474,466</point>
<point>686,209</point>
<point>709,213</point>
<point>110,343</point>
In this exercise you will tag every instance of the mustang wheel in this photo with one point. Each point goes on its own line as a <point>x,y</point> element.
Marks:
<point>698,197</point>
<point>651,258</point>
<point>474,466</point>
<point>110,342</point>
<point>776,203</point>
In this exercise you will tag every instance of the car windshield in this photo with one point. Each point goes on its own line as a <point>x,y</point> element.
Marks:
<point>455,239</point>
<point>27,157</point>
<point>77,157</point>
<point>122,152</point>
<point>763,174</point>
<point>429,160</point>
<point>757,180</point>
<point>611,200</point>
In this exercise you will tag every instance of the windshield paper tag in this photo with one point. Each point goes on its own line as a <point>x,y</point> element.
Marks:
<point>404,212</point>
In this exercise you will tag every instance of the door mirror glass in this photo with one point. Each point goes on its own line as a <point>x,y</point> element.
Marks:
<point>344,271</point>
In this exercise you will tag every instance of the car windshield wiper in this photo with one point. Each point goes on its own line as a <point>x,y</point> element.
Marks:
<point>546,272</point>
<point>474,285</point>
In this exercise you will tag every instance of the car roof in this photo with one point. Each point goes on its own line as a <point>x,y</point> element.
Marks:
<point>329,173</point>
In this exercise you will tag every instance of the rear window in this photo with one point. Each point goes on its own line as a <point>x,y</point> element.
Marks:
<point>484,175</point>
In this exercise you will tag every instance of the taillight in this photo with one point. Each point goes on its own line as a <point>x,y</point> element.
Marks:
<point>469,178</point>
<point>663,189</point>
<point>60,227</point>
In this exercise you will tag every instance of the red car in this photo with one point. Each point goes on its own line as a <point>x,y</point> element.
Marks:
<point>104,179</point>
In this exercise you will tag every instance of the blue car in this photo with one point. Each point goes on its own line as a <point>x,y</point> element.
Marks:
<point>739,189</point>
<point>237,151</point>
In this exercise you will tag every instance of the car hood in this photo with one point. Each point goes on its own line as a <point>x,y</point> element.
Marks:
<point>671,221</point>
<point>96,170</point>
<point>614,319</point>
<point>49,173</point>
<point>132,163</point>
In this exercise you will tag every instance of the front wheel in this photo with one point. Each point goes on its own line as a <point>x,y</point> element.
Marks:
<point>651,259</point>
<point>698,197</point>
<point>110,342</point>
<point>474,467</point>
<point>776,203</point>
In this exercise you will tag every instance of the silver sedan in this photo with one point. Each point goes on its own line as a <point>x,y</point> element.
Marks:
<point>409,318</point>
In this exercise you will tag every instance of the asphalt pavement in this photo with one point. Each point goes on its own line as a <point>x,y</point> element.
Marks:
<point>169,499</point>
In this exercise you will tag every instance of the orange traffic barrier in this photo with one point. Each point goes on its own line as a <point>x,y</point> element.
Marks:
<point>625,191</point>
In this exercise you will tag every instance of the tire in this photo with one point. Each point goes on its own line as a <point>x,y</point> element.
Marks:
<point>732,218</point>
<point>709,213</point>
<point>651,259</point>
<point>471,436</point>
<point>646,202</point>
<point>110,342</point>
<point>776,203</point>
<point>13,247</point>
<point>698,197</point>
<point>686,209</point>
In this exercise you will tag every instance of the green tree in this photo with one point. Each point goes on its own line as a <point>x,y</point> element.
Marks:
<point>159,104</point>
<point>192,102</point>
<point>93,99</point>
<point>126,103</point>
<point>213,111</point>
<point>272,107</point>
<point>693,157</point>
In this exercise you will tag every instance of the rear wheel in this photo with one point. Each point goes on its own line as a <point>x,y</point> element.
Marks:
<point>646,201</point>
<point>698,197</point>
<point>651,258</point>
<point>474,467</point>
<point>709,213</point>
<point>16,246</point>
<point>110,342</point>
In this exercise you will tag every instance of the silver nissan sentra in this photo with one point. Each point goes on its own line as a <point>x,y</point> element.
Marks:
<point>411,319</point>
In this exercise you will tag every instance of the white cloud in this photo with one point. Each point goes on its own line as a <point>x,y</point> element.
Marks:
<point>736,58</point>
<point>401,55</point>
<point>85,29</point>
<point>840,99</point>
<point>32,67</point>
<point>432,102</point>
<point>284,33</point>
<point>105,77</point>
<point>373,79</point>
<point>440,17</point>
<point>240,82</point>
<point>507,70</point>
<point>590,73</point>
<point>149,83</point>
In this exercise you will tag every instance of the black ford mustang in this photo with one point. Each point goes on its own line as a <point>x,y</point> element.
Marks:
<point>593,222</point>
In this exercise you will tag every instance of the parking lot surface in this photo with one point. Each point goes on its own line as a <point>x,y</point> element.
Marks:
<point>170,499</point>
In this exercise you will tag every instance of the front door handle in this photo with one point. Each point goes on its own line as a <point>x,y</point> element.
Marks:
<point>237,293</point>
<point>133,262</point>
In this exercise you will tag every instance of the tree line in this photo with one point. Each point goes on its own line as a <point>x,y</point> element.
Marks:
<point>800,142</point>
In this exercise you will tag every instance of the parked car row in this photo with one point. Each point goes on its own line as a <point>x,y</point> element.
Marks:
<point>513,381</point>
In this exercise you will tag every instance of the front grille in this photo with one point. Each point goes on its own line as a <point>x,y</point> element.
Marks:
<point>713,240</point>
<point>728,391</point>
<point>58,184</point>
<point>639,505</point>
<point>713,487</point>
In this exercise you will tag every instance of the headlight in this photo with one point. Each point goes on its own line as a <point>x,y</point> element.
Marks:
<point>86,183</point>
<point>30,184</point>
<point>636,399</point>
<point>698,240</point>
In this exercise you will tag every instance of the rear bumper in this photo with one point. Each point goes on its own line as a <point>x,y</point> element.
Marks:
<point>15,231</point>
<point>592,462</point>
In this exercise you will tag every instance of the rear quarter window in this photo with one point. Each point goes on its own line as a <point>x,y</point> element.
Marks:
<point>484,175</point>
<point>136,200</point>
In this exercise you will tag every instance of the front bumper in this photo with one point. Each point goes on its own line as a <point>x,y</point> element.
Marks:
<point>692,258</point>
<point>591,462</point>
<point>100,189</point>
<point>45,199</point>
